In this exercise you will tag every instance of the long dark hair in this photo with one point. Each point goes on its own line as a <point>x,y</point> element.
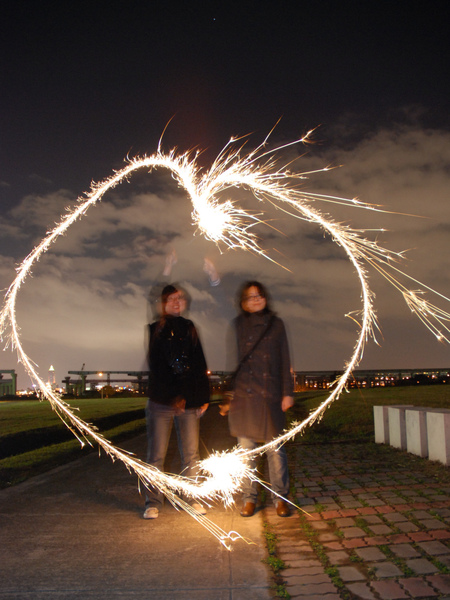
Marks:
<point>262,291</point>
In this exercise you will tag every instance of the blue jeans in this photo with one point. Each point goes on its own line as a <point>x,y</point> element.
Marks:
<point>159,428</point>
<point>278,472</point>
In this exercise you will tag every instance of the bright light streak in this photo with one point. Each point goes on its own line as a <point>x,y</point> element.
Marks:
<point>226,224</point>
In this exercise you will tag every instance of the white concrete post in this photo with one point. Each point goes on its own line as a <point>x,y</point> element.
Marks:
<point>381,422</point>
<point>416,431</point>
<point>438,431</point>
<point>397,426</point>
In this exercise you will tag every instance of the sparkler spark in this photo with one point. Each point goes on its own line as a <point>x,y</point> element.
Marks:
<point>228,225</point>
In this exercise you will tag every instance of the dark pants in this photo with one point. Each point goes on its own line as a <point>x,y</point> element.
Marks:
<point>278,472</point>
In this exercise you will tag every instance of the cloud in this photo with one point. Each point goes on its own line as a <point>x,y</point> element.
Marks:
<point>87,299</point>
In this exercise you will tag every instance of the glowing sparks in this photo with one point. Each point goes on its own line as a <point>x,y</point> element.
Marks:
<point>224,223</point>
<point>225,472</point>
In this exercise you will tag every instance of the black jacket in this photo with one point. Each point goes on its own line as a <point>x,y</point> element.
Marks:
<point>177,364</point>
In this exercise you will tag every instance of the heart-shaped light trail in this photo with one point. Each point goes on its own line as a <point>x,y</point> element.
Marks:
<point>224,223</point>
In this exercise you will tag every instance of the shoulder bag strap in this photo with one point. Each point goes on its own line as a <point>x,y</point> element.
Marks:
<point>246,356</point>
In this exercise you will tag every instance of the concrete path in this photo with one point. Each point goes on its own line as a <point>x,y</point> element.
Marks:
<point>78,532</point>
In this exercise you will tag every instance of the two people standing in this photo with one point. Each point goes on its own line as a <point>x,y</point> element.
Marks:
<point>179,390</point>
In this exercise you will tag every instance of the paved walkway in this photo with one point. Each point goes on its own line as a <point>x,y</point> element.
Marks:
<point>77,532</point>
<point>378,527</point>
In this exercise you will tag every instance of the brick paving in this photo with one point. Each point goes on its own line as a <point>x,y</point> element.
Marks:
<point>373,523</point>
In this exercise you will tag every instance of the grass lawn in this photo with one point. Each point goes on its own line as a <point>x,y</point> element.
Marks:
<point>34,439</point>
<point>350,418</point>
<point>19,416</point>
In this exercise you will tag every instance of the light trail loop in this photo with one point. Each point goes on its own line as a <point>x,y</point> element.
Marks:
<point>225,223</point>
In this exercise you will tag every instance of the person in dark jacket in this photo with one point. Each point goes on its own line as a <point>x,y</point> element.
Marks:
<point>178,390</point>
<point>263,391</point>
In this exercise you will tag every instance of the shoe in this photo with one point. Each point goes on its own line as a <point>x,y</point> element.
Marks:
<point>283,509</point>
<point>151,513</point>
<point>199,508</point>
<point>248,510</point>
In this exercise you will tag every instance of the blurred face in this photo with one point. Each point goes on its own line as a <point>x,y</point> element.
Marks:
<point>253,301</point>
<point>175,305</point>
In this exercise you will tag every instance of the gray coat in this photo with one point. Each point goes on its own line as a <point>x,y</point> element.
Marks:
<point>263,379</point>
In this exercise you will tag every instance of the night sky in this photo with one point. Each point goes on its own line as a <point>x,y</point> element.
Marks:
<point>83,86</point>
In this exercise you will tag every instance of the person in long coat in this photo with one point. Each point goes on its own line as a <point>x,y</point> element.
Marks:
<point>263,391</point>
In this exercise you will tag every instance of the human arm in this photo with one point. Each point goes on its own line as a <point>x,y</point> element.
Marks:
<point>202,410</point>
<point>199,393</point>
<point>286,372</point>
<point>171,260</point>
<point>154,296</point>
<point>211,271</point>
